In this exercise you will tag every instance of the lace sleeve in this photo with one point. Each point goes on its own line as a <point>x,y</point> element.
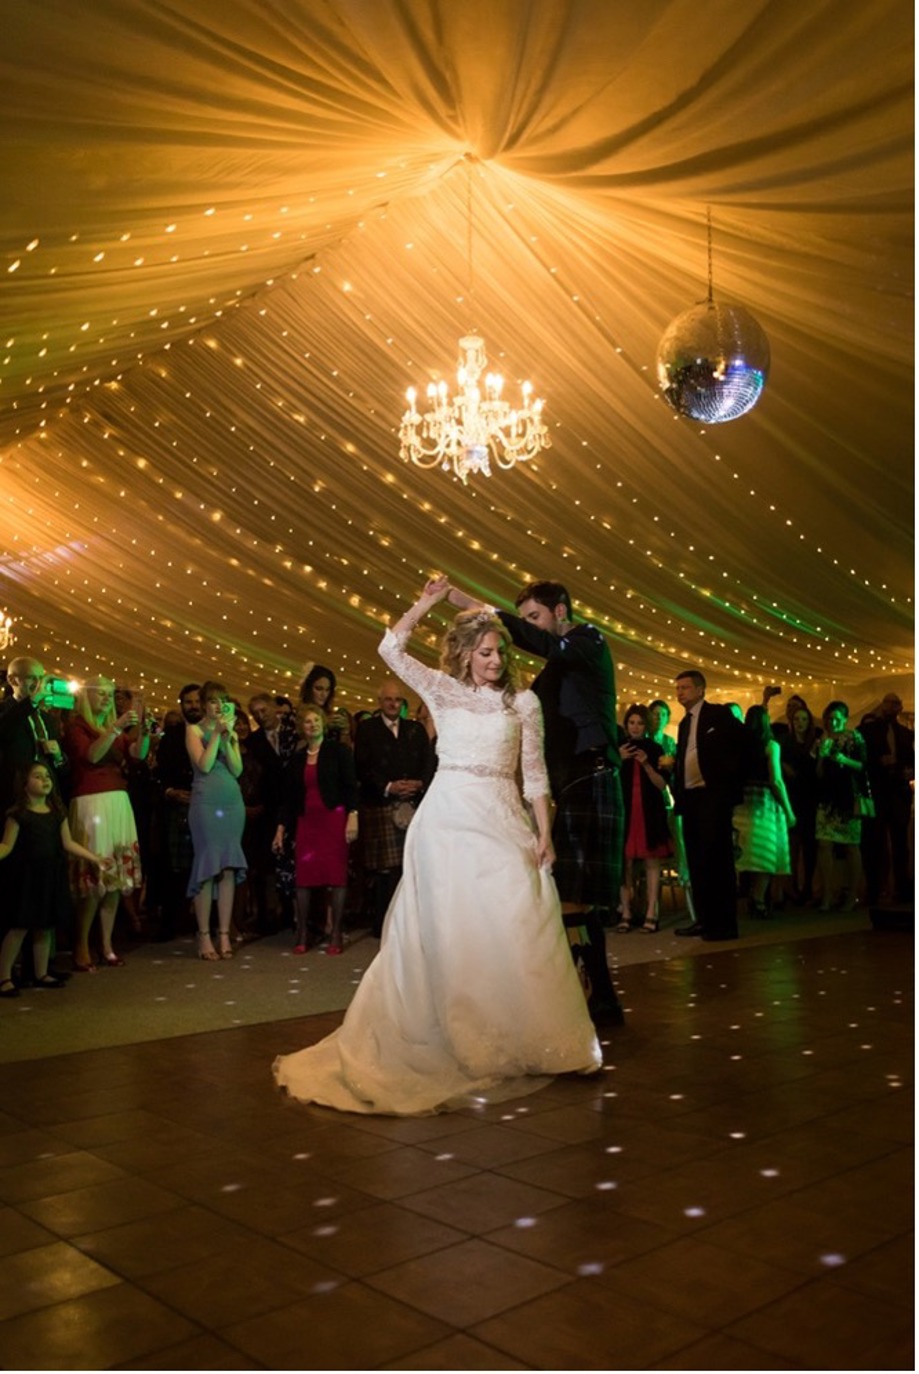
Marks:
<point>422,679</point>
<point>532,758</point>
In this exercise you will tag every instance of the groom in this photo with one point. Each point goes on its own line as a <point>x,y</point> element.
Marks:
<point>577,691</point>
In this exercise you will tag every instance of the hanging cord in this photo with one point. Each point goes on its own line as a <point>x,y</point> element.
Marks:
<point>711,298</point>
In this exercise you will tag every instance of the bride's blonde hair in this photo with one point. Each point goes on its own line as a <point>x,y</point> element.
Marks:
<point>466,634</point>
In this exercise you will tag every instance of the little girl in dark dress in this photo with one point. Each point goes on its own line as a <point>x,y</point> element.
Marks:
<point>34,882</point>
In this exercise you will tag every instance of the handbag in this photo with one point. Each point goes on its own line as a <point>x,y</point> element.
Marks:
<point>864,806</point>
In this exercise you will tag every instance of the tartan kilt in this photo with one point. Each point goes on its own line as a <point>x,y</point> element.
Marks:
<point>179,848</point>
<point>382,841</point>
<point>588,836</point>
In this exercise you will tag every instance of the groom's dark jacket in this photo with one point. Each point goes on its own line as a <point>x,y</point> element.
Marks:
<point>577,692</point>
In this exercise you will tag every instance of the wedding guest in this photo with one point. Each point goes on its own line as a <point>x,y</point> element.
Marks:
<point>28,733</point>
<point>35,891</point>
<point>707,785</point>
<point>101,818</point>
<point>841,796</point>
<point>891,760</point>
<point>216,817</point>
<point>173,778</point>
<point>392,759</point>
<point>319,807</point>
<point>273,744</point>
<point>799,770</point>
<point>647,834</point>
<point>318,689</point>
<point>764,816</point>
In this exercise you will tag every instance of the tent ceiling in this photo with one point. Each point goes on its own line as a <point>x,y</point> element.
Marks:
<point>233,235</point>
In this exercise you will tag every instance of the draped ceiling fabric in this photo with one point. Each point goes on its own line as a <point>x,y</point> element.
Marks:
<point>234,232</point>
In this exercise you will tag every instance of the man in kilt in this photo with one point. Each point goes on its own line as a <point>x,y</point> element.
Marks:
<point>577,691</point>
<point>392,758</point>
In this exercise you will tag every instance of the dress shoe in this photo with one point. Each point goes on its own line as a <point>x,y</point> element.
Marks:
<point>605,1013</point>
<point>694,929</point>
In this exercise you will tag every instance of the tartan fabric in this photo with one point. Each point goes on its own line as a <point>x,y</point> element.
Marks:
<point>588,837</point>
<point>179,850</point>
<point>381,840</point>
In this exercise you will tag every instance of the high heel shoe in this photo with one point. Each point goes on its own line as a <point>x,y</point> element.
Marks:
<point>206,948</point>
<point>224,945</point>
<point>651,926</point>
<point>758,909</point>
<point>113,960</point>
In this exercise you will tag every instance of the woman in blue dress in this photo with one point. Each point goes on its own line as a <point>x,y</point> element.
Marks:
<point>216,817</point>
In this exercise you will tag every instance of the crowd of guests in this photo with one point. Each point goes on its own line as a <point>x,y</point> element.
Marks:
<point>233,820</point>
<point>238,820</point>
<point>814,812</point>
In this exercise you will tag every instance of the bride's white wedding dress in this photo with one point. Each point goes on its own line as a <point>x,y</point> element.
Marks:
<point>474,989</point>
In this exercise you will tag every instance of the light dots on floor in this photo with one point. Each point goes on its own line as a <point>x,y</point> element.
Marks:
<point>833,1260</point>
<point>590,1269</point>
<point>694,1212</point>
<point>525,1223</point>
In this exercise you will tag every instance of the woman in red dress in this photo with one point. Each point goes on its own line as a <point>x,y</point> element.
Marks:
<point>647,833</point>
<point>319,806</point>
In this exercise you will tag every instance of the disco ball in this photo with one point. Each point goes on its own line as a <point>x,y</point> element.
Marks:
<point>712,362</point>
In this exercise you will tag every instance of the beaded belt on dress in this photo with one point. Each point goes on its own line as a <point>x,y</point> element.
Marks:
<point>481,770</point>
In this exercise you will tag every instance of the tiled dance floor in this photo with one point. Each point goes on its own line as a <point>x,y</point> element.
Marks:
<point>734,1191</point>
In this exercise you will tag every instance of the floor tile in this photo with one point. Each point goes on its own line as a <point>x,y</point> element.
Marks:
<point>159,1242</point>
<point>456,1352</point>
<point>481,1202</point>
<point>371,1239</point>
<point>822,1325</point>
<point>96,1331</point>
<point>584,1326</point>
<point>349,1327</point>
<point>46,1275</point>
<point>61,1174</point>
<point>467,1283</point>
<point>107,1204</point>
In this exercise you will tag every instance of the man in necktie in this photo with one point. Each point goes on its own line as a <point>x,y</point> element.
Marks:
<point>708,782</point>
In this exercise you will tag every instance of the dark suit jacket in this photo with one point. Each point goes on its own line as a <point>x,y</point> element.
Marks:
<point>721,755</point>
<point>19,748</point>
<point>380,757</point>
<point>334,773</point>
<point>874,733</point>
<point>577,692</point>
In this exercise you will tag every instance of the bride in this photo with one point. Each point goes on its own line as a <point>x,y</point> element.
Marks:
<point>474,991</point>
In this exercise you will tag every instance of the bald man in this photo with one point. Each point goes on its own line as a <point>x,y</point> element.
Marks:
<point>394,764</point>
<point>27,733</point>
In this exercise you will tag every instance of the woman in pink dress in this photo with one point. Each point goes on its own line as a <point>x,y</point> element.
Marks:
<point>319,806</point>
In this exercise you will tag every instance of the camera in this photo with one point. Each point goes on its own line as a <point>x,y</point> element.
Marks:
<point>59,694</point>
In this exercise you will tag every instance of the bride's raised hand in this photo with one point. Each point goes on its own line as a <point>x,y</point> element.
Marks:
<point>437,587</point>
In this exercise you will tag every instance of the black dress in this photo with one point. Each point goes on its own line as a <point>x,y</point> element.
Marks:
<point>33,880</point>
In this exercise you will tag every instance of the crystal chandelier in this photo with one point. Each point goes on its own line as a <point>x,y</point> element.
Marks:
<point>465,432</point>
<point>6,631</point>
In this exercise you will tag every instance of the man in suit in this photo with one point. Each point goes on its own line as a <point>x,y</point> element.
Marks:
<point>272,745</point>
<point>173,777</point>
<point>577,692</point>
<point>708,783</point>
<point>891,769</point>
<point>392,756</point>
<point>27,733</point>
